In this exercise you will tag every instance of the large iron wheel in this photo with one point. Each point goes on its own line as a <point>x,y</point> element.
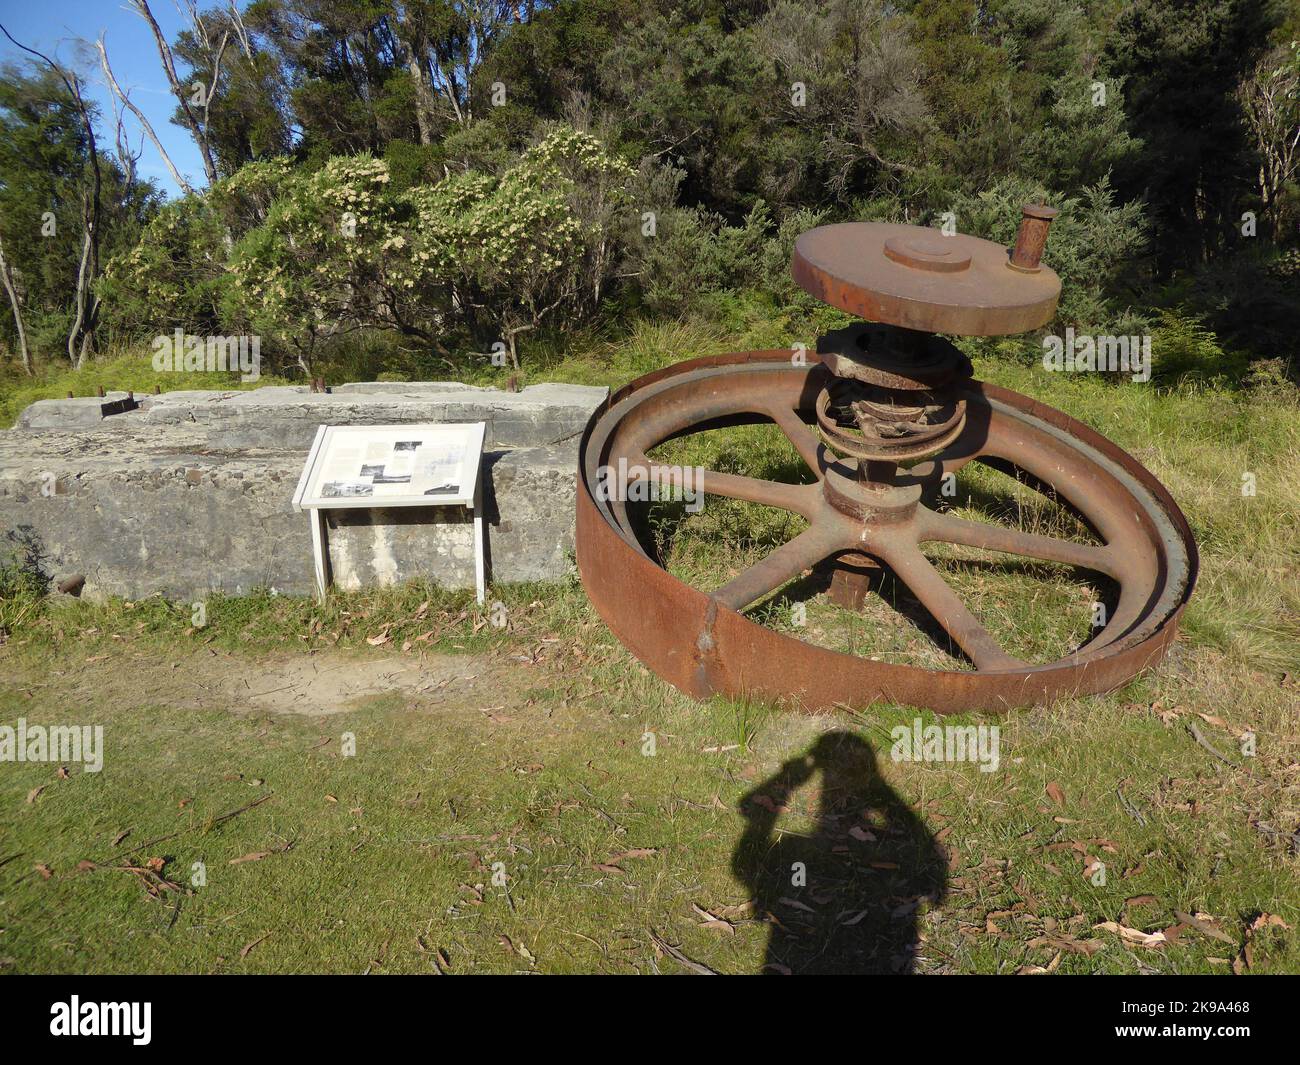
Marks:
<point>701,642</point>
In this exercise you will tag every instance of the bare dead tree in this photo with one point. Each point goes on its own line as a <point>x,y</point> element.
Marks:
<point>241,30</point>
<point>127,159</point>
<point>216,51</point>
<point>1270,102</point>
<point>81,337</point>
<point>196,123</point>
<point>140,117</point>
<point>6,275</point>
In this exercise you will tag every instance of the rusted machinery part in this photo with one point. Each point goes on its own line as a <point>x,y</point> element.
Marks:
<point>701,642</point>
<point>882,431</point>
<point>920,279</point>
<point>892,358</point>
<point>886,393</point>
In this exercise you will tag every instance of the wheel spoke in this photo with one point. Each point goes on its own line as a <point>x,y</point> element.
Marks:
<point>927,584</point>
<point>800,435</point>
<point>787,561</point>
<point>953,530</point>
<point>793,497</point>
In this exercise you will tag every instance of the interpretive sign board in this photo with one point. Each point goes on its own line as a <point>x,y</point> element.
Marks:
<point>353,466</point>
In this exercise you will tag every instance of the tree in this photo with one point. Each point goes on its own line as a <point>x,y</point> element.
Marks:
<point>174,276</point>
<point>81,333</point>
<point>309,273</point>
<point>1270,101</point>
<point>194,101</point>
<point>445,42</point>
<point>541,240</point>
<point>7,277</point>
<point>124,100</point>
<point>1183,61</point>
<point>861,95</point>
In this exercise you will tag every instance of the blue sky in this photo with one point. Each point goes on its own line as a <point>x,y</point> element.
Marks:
<point>56,26</point>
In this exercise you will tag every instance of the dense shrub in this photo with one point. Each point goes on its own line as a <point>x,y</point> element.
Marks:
<point>301,257</point>
<point>174,277</point>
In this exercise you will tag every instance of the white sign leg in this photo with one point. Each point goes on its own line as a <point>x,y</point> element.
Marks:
<point>480,583</point>
<point>318,551</point>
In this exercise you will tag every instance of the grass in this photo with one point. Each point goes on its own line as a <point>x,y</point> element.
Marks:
<point>541,803</point>
<point>124,371</point>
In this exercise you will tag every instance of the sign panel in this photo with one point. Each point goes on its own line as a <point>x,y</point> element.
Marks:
<point>392,466</point>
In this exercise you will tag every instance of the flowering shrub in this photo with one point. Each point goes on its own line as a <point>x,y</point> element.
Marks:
<point>493,256</point>
<point>300,257</point>
<point>308,272</point>
<point>502,254</point>
<point>175,274</point>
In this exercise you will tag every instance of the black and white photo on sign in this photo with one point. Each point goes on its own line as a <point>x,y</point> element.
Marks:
<point>390,463</point>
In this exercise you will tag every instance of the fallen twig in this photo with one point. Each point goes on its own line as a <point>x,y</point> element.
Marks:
<point>235,813</point>
<point>672,952</point>
<point>248,947</point>
<point>210,825</point>
<point>1130,809</point>
<point>1200,738</point>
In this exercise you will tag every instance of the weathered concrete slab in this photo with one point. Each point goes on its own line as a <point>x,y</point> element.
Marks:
<point>287,416</point>
<point>177,499</point>
<point>78,412</point>
<point>407,388</point>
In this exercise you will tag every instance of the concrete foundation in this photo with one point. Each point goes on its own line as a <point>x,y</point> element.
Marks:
<point>189,492</point>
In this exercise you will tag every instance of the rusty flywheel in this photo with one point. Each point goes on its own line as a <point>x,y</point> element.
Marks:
<point>881,415</point>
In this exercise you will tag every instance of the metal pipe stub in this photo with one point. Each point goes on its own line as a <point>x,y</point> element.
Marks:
<point>1031,238</point>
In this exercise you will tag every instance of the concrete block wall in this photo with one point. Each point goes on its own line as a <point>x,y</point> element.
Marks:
<point>190,492</point>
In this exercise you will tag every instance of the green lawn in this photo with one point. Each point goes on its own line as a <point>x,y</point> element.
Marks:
<point>504,810</point>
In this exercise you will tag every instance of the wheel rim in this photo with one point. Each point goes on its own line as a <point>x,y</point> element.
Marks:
<point>702,643</point>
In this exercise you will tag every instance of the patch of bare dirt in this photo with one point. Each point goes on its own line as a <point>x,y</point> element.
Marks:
<point>315,685</point>
<point>320,685</point>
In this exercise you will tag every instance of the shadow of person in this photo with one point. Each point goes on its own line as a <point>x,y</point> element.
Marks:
<point>845,898</point>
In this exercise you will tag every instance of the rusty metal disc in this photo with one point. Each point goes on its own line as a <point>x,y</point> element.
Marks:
<point>702,642</point>
<point>917,278</point>
<point>870,352</point>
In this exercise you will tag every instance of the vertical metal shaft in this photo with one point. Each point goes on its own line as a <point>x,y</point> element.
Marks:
<point>1032,236</point>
